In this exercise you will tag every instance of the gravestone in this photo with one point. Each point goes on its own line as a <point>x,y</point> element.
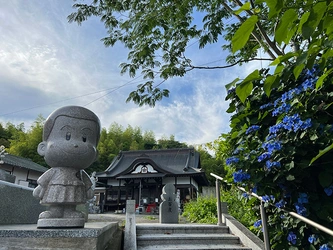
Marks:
<point>70,138</point>
<point>169,207</point>
<point>17,205</point>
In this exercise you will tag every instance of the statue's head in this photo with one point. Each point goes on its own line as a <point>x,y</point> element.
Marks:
<point>70,138</point>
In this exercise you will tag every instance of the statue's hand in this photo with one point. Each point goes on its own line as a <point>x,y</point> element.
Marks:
<point>38,192</point>
<point>90,194</point>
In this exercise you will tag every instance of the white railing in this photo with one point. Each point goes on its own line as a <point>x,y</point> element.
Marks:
<point>263,212</point>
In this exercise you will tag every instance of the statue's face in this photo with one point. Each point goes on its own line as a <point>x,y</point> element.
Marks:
<point>71,143</point>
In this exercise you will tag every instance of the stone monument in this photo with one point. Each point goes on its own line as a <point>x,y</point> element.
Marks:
<point>70,138</point>
<point>168,207</point>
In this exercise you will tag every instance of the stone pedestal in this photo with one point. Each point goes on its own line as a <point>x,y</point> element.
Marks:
<point>130,226</point>
<point>95,236</point>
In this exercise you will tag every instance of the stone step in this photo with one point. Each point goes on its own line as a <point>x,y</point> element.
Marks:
<point>194,247</point>
<point>165,239</point>
<point>180,228</point>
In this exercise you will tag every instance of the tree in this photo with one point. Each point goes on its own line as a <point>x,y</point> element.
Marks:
<point>157,34</point>
<point>210,164</point>
<point>25,144</point>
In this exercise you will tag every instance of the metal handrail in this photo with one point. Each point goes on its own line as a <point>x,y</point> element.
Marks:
<point>263,216</point>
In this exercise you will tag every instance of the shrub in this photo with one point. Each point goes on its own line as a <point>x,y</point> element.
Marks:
<point>202,210</point>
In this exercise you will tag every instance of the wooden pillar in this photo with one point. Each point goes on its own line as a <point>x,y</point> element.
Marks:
<point>118,196</point>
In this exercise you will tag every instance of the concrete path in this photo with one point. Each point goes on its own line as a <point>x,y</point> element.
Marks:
<point>120,218</point>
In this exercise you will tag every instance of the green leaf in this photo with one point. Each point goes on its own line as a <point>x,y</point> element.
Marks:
<point>321,79</point>
<point>325,179</point>
<point>290,178</point>
<point>298,70</point>
<point>282,33</point>
<point>315,17</point>
<point>304,18</point>
<point>300,64</point>
<point>283,58</point>
<point>231,84</point>
<point>245,6</point>
<point>268,84</point>
<point>244,90</point>
<point>253,76</point>
<point>274,6</point>
<point>321,153</point>
<point>243,33</point>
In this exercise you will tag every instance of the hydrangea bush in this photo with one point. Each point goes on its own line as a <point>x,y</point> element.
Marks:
<point>281,149</point>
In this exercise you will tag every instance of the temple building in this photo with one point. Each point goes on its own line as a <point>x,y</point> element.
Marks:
<point>19,170</point>
<point>141,175</point>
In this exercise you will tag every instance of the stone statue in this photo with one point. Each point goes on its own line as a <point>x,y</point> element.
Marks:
<point>93,179</point>
<point>169,207</point>
<point>70,138</point>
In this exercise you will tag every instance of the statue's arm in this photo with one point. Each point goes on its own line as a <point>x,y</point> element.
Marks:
<point>88,184</point>
<point>42,182</point>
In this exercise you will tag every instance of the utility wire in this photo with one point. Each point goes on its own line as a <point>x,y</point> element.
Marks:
<point>76,97</point>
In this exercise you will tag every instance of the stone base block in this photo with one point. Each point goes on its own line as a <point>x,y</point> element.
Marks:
<point>61,223</point>
<point>94,236</point>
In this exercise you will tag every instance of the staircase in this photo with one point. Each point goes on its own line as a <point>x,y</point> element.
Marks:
<point>186,236</point>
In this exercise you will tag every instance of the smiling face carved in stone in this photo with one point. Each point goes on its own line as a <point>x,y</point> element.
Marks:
<point>71,143</point>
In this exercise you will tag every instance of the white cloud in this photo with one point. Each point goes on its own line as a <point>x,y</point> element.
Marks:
<point>46,63</point>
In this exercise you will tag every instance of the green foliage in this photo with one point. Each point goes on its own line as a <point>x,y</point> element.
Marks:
<point>202,210</point>
<point>242,207</point>
<point>281,140</point>
<point>158,33</point>
<point>25,144</point>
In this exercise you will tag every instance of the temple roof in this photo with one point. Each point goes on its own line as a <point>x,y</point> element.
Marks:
<point>21,162</point>
<point>162,162</point>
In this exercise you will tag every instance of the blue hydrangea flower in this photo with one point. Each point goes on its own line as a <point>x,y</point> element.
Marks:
<point>265,106</point>
<point>312,238</point>
<point>292,238</point>
<point>284,108</point>
<point>257,224</point>
<point>272,146</point>
<point>308,84</point>
<point>303,198</point>
<point>325,247</point>
<point>232,90</point>
<point>252,129</point>
<point>264,156</point>
<point>245,195</point>
<point>280,204</point>
<point>267,198</point>
<point>329,190</point>
<point>270,164</point>
<point>237,151</point>
<point>300,209</point>
<point>240,176</point>
<point>231,160</point>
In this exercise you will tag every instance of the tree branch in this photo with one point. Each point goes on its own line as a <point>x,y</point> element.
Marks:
<point>191,67</point>
<point>254,34</point>
<point>264,35</point>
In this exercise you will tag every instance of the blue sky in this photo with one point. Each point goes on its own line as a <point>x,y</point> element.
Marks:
<point>46,63</point>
